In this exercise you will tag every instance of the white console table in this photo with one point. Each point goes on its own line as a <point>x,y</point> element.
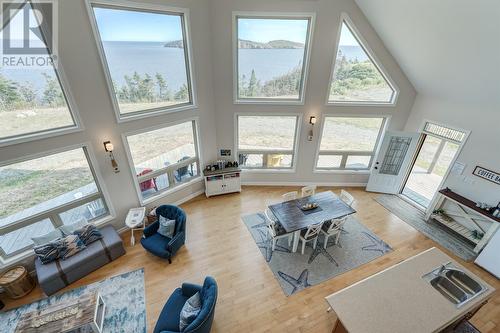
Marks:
<point>465,217</point>
<point>222,181</point>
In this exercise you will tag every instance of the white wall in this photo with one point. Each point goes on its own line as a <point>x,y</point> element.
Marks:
<point>79,56</point>
<point>322,54</point>
<point>481,148</point>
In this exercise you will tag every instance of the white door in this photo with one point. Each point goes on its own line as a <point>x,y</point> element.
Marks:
<point>392,163</point>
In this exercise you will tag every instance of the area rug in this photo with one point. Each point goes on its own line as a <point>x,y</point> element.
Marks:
<point>295,271</point>
<point>432,229</point>
<point>124,297</point>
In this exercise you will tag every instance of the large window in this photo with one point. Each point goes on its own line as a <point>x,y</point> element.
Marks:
<point>164,158</point>
<point>32,99</point>
<point>356,77</point>
<point>271,57</point>
<point>267,142</point>
<point>349,143</point>
<point>41,194</point>
<point>146,58</point>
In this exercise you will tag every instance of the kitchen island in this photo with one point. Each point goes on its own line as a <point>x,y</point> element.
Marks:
<point>400,299</point>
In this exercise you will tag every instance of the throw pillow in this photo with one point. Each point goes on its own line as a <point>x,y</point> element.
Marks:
<point>47,252</point>
<point>189,311</point>
<point>88,234</point>
<point>69,246</point>
<point>47,238</point>
<point>167,227</point>
<point>70,228</point>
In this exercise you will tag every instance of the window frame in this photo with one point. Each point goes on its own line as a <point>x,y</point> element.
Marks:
<point>53,213</point>
<point>311,17</point>
<point>344,18</point>
<point>188,55</point>
<point>264,168</point>
<point>168,169</point>
<point>346,153</point>
<point>70,102</point>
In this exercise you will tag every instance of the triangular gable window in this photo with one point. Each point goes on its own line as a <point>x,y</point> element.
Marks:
<point>356,77</point>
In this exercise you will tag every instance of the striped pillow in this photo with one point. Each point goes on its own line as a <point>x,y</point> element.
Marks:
<point>88,234</point>
<point>48,252</point>
<point>69,246</point>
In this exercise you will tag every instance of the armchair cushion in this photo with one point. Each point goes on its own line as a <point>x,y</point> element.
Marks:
<point>157,245</point>
<point>166,227</point>
<point>189,311</point>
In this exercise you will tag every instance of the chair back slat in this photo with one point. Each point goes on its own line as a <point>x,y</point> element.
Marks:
<point>336,224</point>
<point>289,196</point>
<point>308,190</point>
<point>346,197</point>
<point>313,231</point>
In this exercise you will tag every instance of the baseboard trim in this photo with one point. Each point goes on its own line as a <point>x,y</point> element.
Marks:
<point>334,184</point>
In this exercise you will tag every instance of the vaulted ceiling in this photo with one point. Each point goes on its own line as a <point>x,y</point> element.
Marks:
<point>449,49</point>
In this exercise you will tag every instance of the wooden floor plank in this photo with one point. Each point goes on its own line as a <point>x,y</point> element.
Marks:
<point>250,298</point>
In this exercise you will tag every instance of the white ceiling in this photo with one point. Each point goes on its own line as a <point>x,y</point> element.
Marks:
<point>449,49</point>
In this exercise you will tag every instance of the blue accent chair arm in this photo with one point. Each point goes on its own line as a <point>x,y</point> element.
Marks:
<point>168,332</point>
<point>151,229</point>
<point>189,289</point>
<point>176,242</point>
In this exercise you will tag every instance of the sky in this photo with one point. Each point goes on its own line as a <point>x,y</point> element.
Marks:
<point>126,25</point>
<point>346,37</point>
<point>265,30</point>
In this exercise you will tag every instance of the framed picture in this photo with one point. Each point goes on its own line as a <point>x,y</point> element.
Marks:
<point>489,175</point>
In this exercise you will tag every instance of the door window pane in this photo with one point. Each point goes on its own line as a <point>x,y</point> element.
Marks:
<point>271,55</point>
<point>147,58</point>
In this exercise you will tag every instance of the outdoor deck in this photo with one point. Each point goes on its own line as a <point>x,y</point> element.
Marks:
<point>421,187</point>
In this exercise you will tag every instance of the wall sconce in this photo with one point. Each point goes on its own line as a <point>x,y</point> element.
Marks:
<point>312,121</point>
<point>108,147</point>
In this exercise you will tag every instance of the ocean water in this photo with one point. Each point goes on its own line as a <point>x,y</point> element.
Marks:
<point>151,57</point>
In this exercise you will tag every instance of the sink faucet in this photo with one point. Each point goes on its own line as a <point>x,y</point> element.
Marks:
<point>442,268</point>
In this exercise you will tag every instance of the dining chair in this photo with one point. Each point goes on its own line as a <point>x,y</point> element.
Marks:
<point>275,229</point>
<point>289,196</point>
<point>333,228</point>
<point>308,190</point>
<point>310,234</point>
<point>346,197</point>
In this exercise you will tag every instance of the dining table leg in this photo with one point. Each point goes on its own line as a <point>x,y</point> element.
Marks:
<point>296,237</point>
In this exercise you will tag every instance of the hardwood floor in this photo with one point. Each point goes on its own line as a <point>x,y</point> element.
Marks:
<point>250,298</point>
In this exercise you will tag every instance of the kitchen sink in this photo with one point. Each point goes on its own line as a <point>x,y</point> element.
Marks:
<point>454,284</point>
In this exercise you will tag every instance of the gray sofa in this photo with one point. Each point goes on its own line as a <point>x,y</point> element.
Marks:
<point>60,273</point>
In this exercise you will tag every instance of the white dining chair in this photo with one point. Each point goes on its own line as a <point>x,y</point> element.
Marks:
<point>311,234</point>
<point>308,190</point>
<point>275,229</point>
<point>289,196</point>
<point>333,228</point>
<point>346,197</point>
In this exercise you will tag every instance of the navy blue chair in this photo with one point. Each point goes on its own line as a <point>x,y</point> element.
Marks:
<point>169,319</point>
<point>162,246</point>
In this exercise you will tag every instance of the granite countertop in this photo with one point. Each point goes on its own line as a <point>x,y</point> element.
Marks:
<point>398,299</point>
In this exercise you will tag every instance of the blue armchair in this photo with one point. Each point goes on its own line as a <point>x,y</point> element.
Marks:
<point>162,246</point>
<point>168,322</point>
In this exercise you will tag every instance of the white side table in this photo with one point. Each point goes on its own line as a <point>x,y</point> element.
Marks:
<point>135,220</point>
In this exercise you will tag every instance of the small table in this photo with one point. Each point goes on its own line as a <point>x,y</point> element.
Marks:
<point>294,219</point>
<point>17,282</point>
<point>135,221</point>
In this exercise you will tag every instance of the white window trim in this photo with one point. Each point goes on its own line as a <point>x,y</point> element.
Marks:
<point>344,17</point>
<point>48,133</point>
<point>309,40</point>
<point>175,187</point>
<point>294,151</point>
<point>102,193</point>
<point>107,74</point>
<point>385,125</point>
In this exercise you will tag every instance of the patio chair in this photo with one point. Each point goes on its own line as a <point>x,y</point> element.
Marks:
<point>147,184</point>
<point>183,171</point>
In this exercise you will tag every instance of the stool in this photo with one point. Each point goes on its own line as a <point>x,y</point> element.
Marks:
<point>17,282</point>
